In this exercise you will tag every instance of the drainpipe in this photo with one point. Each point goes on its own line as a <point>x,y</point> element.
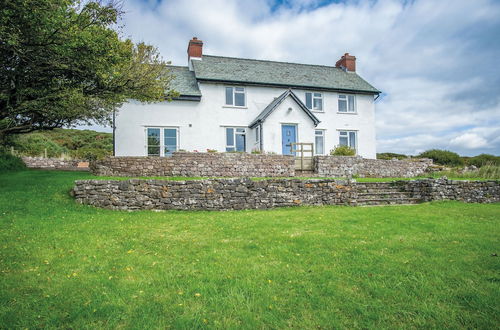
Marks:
<point>114,129</point>
<point>261,146</point>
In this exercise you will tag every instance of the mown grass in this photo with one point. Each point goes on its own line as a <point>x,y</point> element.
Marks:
<point>72,266</point>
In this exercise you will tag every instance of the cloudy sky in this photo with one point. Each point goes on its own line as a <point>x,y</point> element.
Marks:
<point>437,61</point>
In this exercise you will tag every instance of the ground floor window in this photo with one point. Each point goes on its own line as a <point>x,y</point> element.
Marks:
<point>319,141</point>
<point>348,138</point>
<point>235,139</point>
<point>162,141</point>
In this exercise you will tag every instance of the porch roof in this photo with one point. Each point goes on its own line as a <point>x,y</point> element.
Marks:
<point>277,101</point>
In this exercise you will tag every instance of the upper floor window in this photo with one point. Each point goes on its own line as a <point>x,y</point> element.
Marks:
<point>314,101</point>
<point>347,103</point>
<point>235,96</point>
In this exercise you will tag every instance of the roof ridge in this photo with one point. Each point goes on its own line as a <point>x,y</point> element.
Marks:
<point>273,61</point>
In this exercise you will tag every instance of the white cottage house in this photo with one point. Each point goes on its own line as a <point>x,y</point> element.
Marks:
<point>237,104</point>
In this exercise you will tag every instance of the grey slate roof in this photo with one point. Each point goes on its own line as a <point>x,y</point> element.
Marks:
<point>277,101</point>
<point>239,70</point>
<point>184,81</point>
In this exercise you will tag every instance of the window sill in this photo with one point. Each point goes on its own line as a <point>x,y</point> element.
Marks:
<point>317,111</point>
<point>347,113</point>
<point>233,107</point>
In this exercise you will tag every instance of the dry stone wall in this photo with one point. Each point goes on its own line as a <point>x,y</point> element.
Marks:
<point>216,194</point>
<point>56,164</point>
<point>234,194</point>
<point>197,165</point>
<point>345,166</point>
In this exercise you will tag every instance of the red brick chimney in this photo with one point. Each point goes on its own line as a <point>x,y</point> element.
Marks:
<point>195,48</point>
<point>348,62</point>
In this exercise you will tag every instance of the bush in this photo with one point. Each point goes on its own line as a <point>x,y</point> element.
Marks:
<point>35,145</point>
<point>483,159</point>
<point>343,151</point>
<point>443,157</point>
<point>10,162</point>
<point>390,155</point>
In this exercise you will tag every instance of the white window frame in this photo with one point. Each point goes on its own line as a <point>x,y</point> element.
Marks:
<point>235,132</point>
<point>234,92</point>
<point>346,97</point>
<point>322,135</point>
<point>162,139</point>
<point>313,97</point>
<point>347,132</point>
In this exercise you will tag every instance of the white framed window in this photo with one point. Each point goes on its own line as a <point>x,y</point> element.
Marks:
<point>161,141</point>
<point>319,142</point>
<point>235,96</point>
<point>236,139</point>
<point>348,138</point>
<point>314,101</point>
<point>347,103</point>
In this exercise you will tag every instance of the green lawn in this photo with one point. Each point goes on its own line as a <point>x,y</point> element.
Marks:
<point>73,266</point>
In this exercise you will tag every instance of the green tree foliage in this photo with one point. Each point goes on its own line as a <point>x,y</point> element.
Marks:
<point>343,151</point>
<point>62,63</point>
<point>79,144</point>
<point>443,157</point>
<point>390,155</point>
<point>483,159</point>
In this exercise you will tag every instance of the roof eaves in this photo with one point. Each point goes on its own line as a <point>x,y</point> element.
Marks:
<point>316,88</point>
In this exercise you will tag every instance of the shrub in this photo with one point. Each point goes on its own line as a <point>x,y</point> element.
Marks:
<point>443,157</point>
<point>35,145</point>
<point>10,162</point>
<point>483,159</point>
<point>390,155</point>
<point>88,153</point>
<point>343,151</point>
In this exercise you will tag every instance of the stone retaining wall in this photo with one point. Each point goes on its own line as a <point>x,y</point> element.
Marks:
<point>56,164</point>
<point>197,165</point>
<point>344,166</point>
<point>233,194</point>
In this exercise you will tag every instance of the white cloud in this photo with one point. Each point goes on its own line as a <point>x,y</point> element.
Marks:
<point>469,141</point>
<point>436,61</point>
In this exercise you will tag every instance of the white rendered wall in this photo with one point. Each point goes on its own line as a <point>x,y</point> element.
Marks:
<point>202,124</point>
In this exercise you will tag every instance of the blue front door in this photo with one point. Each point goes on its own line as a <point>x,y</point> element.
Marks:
<point>288,136</point>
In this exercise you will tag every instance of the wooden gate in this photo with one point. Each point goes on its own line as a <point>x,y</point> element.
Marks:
<point>303,156</point>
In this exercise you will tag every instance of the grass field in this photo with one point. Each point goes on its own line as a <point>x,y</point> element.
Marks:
<point>73,266</point>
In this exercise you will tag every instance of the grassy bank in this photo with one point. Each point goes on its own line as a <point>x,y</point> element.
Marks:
<point>73,266</point>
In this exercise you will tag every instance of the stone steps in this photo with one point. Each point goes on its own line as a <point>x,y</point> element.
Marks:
<point>383,193</point>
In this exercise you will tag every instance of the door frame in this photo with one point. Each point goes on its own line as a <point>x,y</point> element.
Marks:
<point>296,126</point>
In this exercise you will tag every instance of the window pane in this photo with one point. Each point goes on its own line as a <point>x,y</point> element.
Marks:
<point>170,133</point>
<point>153,136</point>
<point>319,145</point>
<point>240,142</point>
<point>343,133</point>
<point>318,104</point>
<point>154,151</point>
<point>309,100</point>
<point>229,95</point>
<point>240,89</point>
<point>229,137</point>
<point>342,96</point>
<point>351,103</point>
<point>317,94</point>
<point>239,99</point>
<point>352,140</point>
<point>240,130</point>
<point>230,149</point>
<point>342,105</point>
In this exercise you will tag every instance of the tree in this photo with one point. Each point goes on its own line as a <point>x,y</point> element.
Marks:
<point>63,63</point>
